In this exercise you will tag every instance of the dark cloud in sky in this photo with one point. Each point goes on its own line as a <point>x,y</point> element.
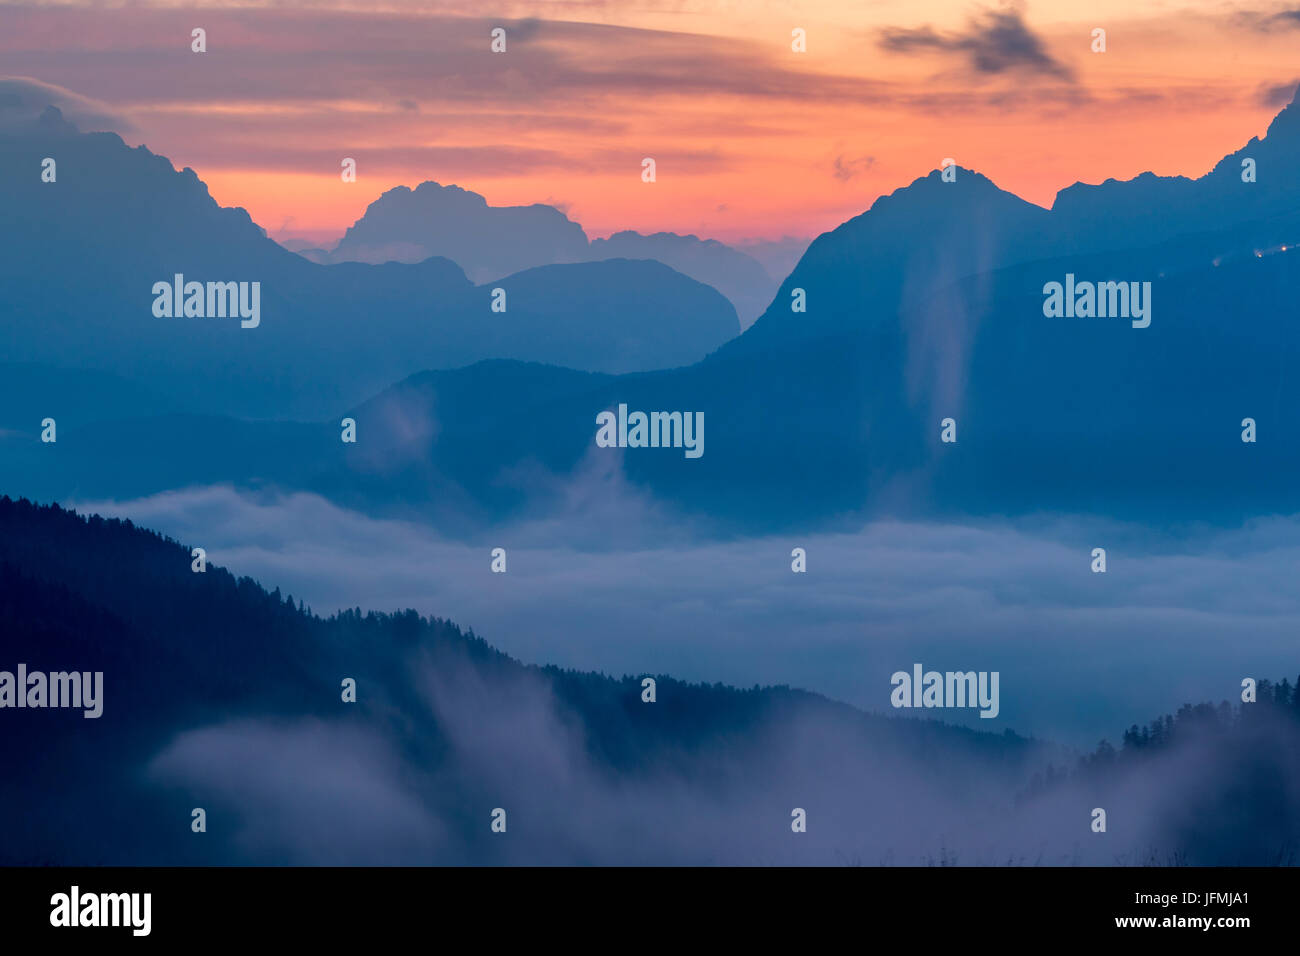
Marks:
<point>1277,95</point>
<point>846,168</point>
<point>1268,22</point>
<point>291,56</point>
<point>994,42</point>
<point>22,98</point>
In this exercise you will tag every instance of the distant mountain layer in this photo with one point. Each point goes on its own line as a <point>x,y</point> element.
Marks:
<point>930,306</point>
<point>488,242</point>
<point>927,317</point>
<point>219,696</point>
<point>87,251</point>
<point>733,273</point>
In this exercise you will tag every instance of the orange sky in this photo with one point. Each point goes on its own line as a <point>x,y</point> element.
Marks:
<point>751,139</point>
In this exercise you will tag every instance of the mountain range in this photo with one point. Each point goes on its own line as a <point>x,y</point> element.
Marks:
<point>490,242</point>
<point>928,306</point>
<point>88,249</point>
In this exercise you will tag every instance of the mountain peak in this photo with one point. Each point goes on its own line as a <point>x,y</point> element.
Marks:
<point>932,199</point>
<point>1288,120</point>
<point>50,121</point>
<point>432,190</point>
<point>488,242</point>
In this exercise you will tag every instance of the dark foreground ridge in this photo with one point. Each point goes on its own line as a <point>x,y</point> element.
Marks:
<point>221,696</point>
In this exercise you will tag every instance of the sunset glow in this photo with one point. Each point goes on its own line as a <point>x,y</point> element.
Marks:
<point>751,139</point>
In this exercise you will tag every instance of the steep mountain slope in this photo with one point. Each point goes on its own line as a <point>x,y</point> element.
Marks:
<point>929,306</point>
<point>219,695</point>
<point>733,273</point>
<point>1105,216</point>
<point>85,252</point>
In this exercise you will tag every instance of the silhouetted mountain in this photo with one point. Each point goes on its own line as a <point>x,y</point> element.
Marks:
<point>929,306</point>
<point>80,272</point>
<point>737,276</point>
<point>30,393</point>
<point>778,257</point>
<point>1159,208</point>
<point>488,242</point>
<point>307,249</point>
